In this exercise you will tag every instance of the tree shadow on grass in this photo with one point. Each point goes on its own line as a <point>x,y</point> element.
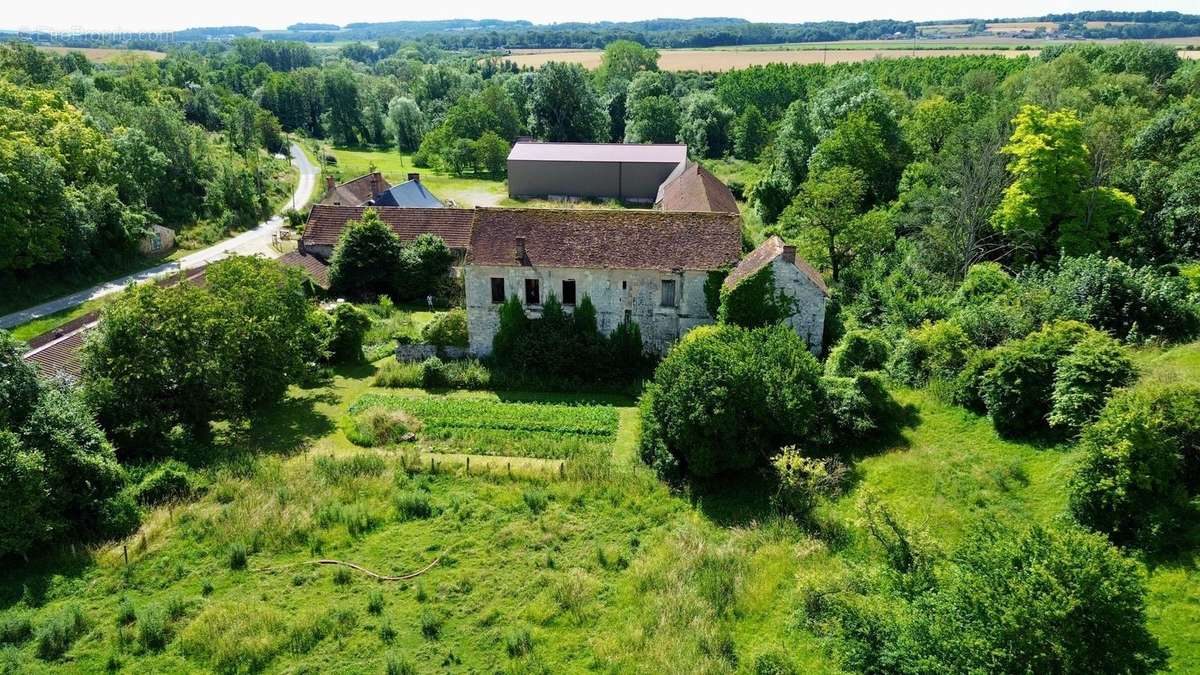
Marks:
<point>32,582</point>
<point>734,499</point>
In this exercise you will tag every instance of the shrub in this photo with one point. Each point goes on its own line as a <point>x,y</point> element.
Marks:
<point>1027,600</point>
<point>983,282</point>
<point>152,628</point>
<point>1140,469</point>
<point>1084,379</point>
<point>387,633</point>
<point>1018,389</point>
<point>726,397</point>
<point>854,408</point>
<point>448,329</point>
<point>967,388</point>
<point>802,482</point>
<point>379,426</point>
<point>15,627</point>
<point>412,505</point>
<point>433,373</point>
<point>237,556</point>
<point>169,481</point>
<point>1117,298</point>
<point>859,350</point>
<point>932,352</point>
<point>773,662</point>
<point>518,641</point>
<point>399,665</point>
<point>560,346</point>
<point>56,634</point>
<point>431,623</point>
<point>19,385</point>
<point>536,499</point>
<point>399,375</point>
<point>375,602</point>
<point>350,326</point>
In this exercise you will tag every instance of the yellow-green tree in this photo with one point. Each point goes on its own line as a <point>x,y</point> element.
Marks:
<point>1053,205</point>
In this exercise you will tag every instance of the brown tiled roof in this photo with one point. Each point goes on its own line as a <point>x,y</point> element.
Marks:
<point>60,357</point>
<point>695,189</point>
<point>313,266</point>
<point>325,223</point>
<point>356,191</point>
<point>606,238</point>
<point>762,256</point>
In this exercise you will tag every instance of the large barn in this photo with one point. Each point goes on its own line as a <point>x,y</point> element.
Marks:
<point>628,172</point>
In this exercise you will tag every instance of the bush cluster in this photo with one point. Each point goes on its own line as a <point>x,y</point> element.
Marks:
<point>448,329</point>
<point>566,347</point>
<point>726,398</point>
<point>858,351</point>
<point>1007,600</point>
<point>1140,472</point>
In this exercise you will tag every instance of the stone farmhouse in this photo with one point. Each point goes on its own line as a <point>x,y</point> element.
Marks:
<point>649,266</point>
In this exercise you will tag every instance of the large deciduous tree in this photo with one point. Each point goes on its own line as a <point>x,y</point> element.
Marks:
<point>563,106</point>
<point>1051,204</point>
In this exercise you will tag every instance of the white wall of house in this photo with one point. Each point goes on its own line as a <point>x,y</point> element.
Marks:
<point>613,292</point>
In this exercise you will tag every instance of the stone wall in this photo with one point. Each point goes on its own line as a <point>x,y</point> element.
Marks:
<point>809,302</point>
<point>420,352</point>
<point>613,292</point>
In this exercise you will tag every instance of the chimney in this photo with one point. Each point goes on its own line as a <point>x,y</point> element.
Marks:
<point>521,250</point>
<point>375,178</point>
<point>789,254</point>
<point>414,176</point>
<point>330,183</point>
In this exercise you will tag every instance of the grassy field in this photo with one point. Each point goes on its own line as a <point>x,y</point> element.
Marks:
<point>601,568</point>
<point>102,55</point>
<point>463,191</point>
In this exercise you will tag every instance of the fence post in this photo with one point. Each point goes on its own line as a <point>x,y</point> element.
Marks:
<point>509,469</point>
<point>125,547</point>
<point>468,465</point>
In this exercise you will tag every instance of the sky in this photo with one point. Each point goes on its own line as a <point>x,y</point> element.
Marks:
<point>166,15</point>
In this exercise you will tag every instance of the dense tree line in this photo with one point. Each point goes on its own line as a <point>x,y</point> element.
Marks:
<point>93,156</point>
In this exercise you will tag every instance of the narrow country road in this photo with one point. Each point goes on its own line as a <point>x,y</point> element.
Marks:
<point>250,242</point>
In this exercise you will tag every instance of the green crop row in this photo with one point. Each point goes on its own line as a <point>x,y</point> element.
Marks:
<point>448,414</point>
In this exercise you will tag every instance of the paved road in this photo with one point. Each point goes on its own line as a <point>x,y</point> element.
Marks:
<point>250,242</point>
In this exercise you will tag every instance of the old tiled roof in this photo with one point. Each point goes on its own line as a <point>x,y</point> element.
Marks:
<point>325,223</point>
<point>356,191</point>
<point>762,256</point>
<point>313,266</point>
<point>60,357</point>
<point>695,189</point>
<point>606,238</point>
<point>672,153</point>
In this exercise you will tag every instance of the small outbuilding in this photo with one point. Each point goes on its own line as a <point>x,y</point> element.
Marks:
<point>625,171</point>
<point>794,280</point>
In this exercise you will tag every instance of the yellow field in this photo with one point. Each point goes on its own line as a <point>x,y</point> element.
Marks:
<point>108,55</point>
<point>717,60</point>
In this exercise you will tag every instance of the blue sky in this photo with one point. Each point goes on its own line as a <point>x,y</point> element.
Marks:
<point>144,15</point>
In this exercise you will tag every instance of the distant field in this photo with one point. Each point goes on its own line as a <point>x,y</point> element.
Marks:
<point>108,55</point>
<point>729,59</point>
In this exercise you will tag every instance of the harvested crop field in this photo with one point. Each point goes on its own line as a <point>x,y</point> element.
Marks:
<point>728,59</point>
<point>108,55</point>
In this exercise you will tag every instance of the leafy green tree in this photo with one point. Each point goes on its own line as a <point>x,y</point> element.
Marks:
<point>19,386</point>
<point>622,59</point>
<point>491,153</point>
<point>860,143</point>
<point>343,107</point>
<point>428,261</point>
<point>406,123</point>
<point>930,126</point>
<point>750,134</point>
<point>653,119</point>
<point>368,260</point>
<point>563,106</point>
<point>704,124</point>
<point>350,325</point>
<point>825,219</point>
<point>1050,206</point>
<point>25,517</point>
